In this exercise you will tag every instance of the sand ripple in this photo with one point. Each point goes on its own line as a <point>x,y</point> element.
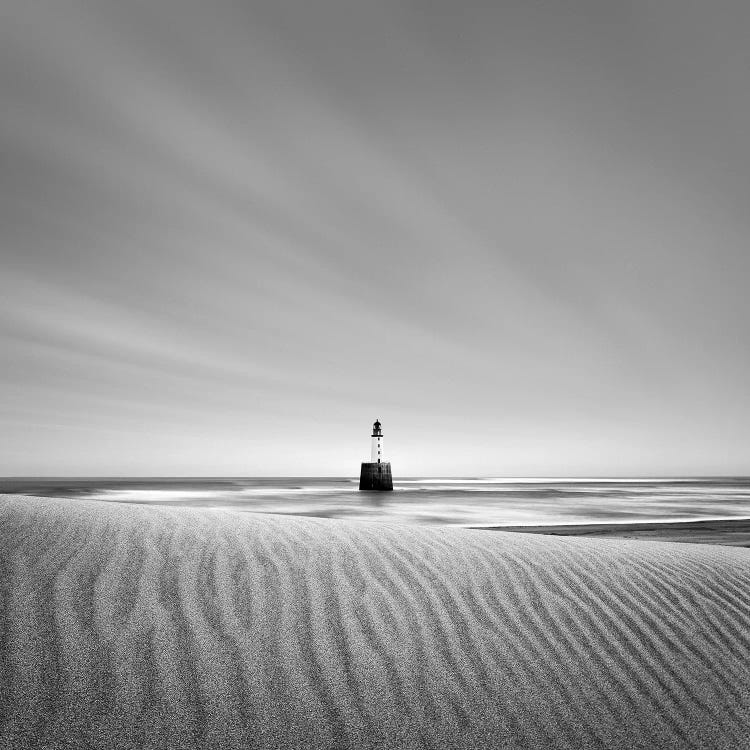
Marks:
<point>135,627</point>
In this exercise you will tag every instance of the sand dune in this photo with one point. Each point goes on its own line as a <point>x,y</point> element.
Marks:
<point>135,627</point>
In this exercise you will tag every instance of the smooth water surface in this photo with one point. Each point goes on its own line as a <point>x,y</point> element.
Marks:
<point>467,502</point>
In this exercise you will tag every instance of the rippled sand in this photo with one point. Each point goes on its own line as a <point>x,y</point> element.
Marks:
<point>134,627</point>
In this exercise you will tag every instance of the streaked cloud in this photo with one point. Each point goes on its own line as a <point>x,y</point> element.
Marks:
<point>233,234</point>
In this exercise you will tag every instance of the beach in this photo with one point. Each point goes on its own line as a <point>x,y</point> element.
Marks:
<point>131,626</point>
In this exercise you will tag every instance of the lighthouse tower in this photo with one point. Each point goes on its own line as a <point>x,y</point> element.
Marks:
<point>376,475</point>
<point>377,443</point>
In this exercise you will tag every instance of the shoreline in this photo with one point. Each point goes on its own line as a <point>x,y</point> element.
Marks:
<point>728,532</point>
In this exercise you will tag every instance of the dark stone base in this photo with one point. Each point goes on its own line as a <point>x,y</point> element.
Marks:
<point>376,477</point>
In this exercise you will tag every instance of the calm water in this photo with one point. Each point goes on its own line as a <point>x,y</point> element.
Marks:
<point>467,502</point>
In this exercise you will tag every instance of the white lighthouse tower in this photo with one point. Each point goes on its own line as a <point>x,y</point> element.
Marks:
<point>376,473</point>
<point>376,454</point>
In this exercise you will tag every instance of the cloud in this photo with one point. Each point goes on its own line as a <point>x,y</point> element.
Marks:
<point>516,233</point>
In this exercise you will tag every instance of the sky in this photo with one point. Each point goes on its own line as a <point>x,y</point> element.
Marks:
<point>232,234</point>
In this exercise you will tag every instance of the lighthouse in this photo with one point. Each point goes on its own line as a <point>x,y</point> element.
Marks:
<point>377,443</point>
<point>376,474</point>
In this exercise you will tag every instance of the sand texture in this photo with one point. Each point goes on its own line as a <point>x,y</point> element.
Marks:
<point>130,627</point>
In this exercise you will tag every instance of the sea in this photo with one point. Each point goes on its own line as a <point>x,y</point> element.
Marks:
<point>472,502</point>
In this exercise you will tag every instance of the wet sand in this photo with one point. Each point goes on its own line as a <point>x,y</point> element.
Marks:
<point>734,533</point>
<point>151,627</point>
